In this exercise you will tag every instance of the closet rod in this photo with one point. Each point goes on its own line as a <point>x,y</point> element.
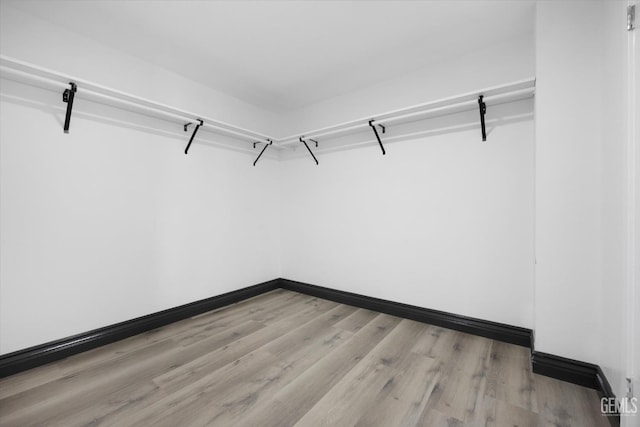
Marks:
<point>30,71</point>
<point>519,90</point>
<point>462,106</point>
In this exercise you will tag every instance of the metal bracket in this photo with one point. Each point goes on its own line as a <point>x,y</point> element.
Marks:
<point>67,96</point>
<point>631,17</point>
<point>377,136</point>
<point>483,109</point>
<point>313,140</point>
<point>193,135</point>
<point>186,125</point>
<point>265,147</point>
<point>310,152</point>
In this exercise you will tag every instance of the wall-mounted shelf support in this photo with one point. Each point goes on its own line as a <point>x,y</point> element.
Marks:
<point>25,72</point>
<point>193,135</point>
<point>260,155</point>
<point>67,96</point>
<point>378,136</point>
<point>310,152</point>
<point>483,109</point>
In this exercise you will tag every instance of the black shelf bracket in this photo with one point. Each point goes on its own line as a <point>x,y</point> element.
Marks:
<point>310,152</point>
<point>260,155</point>
<point>313,140</point>
<point>193,135</point>
<point>378,136</point>
<point>483,110</point>
<point>67,96</point>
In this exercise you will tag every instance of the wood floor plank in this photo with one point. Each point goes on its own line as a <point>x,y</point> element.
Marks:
<point>296,352</point>
<point>222,318</point>
<point>561,404</point>
<point>437,344</point>
<point>209,358</point>
<point>244,396</point>
<point>79,390</point>
<point>283,359</point>
<point>244,402</point>
<point>510,378</point>
<point>357,320</point>
<point>373,375</point>
<point>30,379</point>
<point>434,418</point>
<point>188,405</point>
<point>462,385</point>
<point>263,373</point>
<point>295,399</point>
<point>402,399</point>
<point>497,413</point>
<point>219,357</point>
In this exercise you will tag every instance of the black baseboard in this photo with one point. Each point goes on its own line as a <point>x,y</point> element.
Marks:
<point>32,357</point>
<point>603,384</point>
<point>606,391</point>
<point>564,369</point>
<point>483,328</point>
<point>573,371</point>
<point>576,372</point>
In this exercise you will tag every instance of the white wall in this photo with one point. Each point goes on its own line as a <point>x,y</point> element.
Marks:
<point>614,157</point>
<point>569,179</point>
<point>444,222</point>
<point>495,65</point>
<point>633,362</point>
<point>113,221</point>
<point>31,39</point>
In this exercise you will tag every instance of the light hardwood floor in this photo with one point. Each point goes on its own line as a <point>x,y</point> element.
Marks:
<point>287,359</point>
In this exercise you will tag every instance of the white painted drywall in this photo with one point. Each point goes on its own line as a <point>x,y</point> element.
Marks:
<point>569,183</point>
<point>494,65</point>
<point>615,185</point>
<point>109,223</point>
<point>444,222</point>
<point>31,39</point>
<point>633,361</point>
<point>113,221</point>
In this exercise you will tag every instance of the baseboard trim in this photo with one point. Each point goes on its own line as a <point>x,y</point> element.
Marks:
<point>569,370</point>
<point>561,368</point>
<point>576,372</point>
<point>21,360</point>
<point>573,371</point>
<point>606,391</point>
<point>484,328</point>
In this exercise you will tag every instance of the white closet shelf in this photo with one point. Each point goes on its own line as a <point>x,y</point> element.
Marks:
<point>29,73</point>
<point>24,71</point>
<point>521,89</point>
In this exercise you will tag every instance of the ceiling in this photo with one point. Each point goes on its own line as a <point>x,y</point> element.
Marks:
<point>284,55</point>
